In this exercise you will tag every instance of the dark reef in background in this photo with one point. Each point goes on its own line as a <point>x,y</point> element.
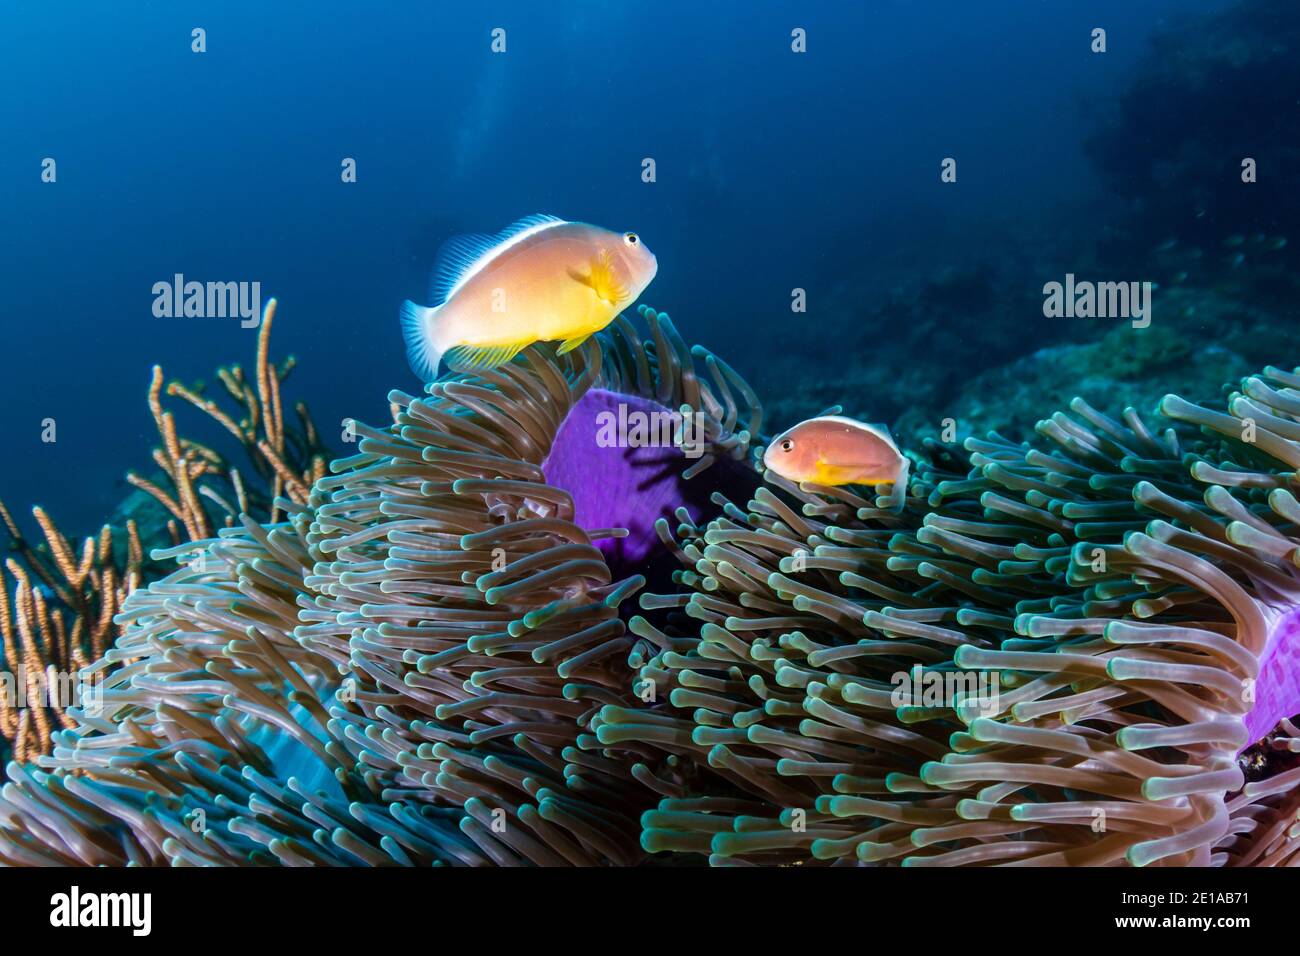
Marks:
<point>1212,91</point>
<point>966,339</point>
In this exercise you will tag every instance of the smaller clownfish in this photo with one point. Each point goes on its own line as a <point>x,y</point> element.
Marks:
<point>834,450</point>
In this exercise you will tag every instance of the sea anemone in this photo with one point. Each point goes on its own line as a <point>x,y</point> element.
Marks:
<point>433,658</point>
<point>1131,598</point>
<point>406,669</point>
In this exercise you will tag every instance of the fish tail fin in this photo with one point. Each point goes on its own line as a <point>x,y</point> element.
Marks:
<point>898,496</point>
<point>422,349</point>
<point>901,484</point>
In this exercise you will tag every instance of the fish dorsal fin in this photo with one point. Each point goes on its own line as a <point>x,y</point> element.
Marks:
<point>462,256</point>
<point>881,431</point>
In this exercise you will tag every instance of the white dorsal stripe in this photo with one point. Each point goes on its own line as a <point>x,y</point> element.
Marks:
<point>488,248</point>
<point>877,430</point>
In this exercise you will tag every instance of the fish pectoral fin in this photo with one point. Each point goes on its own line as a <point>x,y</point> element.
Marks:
<point>568,345</point>
<point>600,277</point>
<point>468,358</point>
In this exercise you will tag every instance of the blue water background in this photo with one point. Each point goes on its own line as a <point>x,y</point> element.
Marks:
<point>774,171</point>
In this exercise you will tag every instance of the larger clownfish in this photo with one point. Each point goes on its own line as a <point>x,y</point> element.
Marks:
<point>540,280</point>
<point>834,450</point>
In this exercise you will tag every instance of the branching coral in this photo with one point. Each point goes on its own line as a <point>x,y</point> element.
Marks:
<point>434,657</point>
<point>206,491</point>
<point>61,616</point>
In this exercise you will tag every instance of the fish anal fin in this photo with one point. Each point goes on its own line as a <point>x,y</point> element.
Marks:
<point>471,358</point>
<point>568,345</point>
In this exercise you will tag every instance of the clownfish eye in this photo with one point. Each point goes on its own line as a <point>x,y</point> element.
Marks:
<point>631,238</point>
<point>787,445</point>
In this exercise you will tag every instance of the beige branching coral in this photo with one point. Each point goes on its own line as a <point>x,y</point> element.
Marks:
<point>205,491</point>
<point>58,604</point>
<point>57,618</point>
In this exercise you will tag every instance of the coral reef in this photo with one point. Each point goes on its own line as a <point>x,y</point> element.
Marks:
<point>1198,340</point>
<point>462,647</point>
